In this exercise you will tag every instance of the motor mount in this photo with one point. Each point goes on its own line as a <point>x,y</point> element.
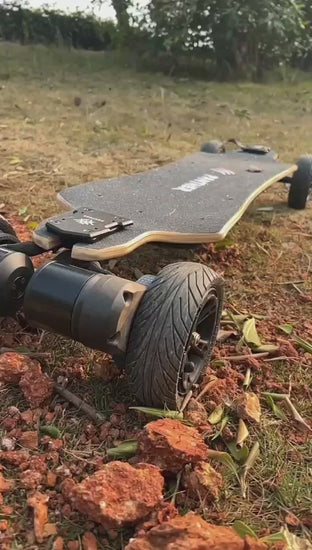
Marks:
<point>92,308</point>
<point>16,270</point>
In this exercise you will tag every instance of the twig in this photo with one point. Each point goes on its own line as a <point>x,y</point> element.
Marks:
<point>96,416</point>
<point>186,400</point>
<point>176,489</point>
<point>206,388</point>
<point>247,356</point>
<point>283,358</point>
<point>292,409</point>
<point>297,289</point>
<point>290,282</point>
<point>31,354</point>
<point>301,234</point>
<point>262,248</point>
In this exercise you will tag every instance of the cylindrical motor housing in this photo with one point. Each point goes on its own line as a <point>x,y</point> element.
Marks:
<point>91,308</point>
<point>16,270</point>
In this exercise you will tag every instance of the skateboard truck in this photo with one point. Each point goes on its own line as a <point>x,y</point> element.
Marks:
<point>86,225</point>
<point>256,149</point>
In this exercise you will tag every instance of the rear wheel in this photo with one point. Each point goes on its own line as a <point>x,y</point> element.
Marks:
<point>173,333</point>
<point>7,233</point>
<point>213,146</point>
<point>301,183</point>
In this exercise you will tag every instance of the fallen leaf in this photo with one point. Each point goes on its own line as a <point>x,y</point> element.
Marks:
<point>253,455</point>
<point>267,348</point>
<point>240,455</point>
<point>126,449</point>
<point>225,459</point>
<point>158,413</point>
<point>243,530</point>
<point>242,433</point>
<point>275,408</point>
<point>250,334</point>
<point>295,543</point>
<point>287,328</point>
<point>216,415</point>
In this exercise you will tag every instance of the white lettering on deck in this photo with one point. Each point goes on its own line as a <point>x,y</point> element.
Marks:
<point>196,183</point>
<point>223,171</point>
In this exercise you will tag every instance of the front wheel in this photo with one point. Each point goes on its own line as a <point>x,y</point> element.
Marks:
<point>173,333</point>
<point>301,183</point>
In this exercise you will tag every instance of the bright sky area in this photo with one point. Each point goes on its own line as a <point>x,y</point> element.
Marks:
<point>105,11</point>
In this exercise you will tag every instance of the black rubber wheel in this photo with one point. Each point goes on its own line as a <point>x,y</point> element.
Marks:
<point>173,333</point>
<point>213,146</point>
<point>301,183</point>
<point>7,233</point>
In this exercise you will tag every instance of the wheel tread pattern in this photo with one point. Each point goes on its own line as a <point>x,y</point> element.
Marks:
<point>301,183</point>
<point>161,328</point>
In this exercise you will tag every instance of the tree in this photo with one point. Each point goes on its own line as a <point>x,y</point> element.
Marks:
<point>241,37</point>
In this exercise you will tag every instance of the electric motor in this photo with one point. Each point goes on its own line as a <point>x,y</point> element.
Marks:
<point>92,308</point>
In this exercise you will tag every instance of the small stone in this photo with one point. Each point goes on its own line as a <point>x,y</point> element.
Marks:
<point>29,440</point>
<point>170,445</point>
<point>14,458</point>
<point>58,544</point>
<point>51,479</point>
<point>38,502</point>
<point>89,542</point>
<point>203,482</point>
<point>196,413</point>
<point>49,417</point>
<point>53,444</point>
<point>38,463</point>
<point>12,367</point>
<point>9,424</point>
<point>248,407</point>
<point>36,386</point>
<point>27,416</point>
<point>191,532</point>
<point>292,520</point>
<point>13,411</point>
<point>49,530</point>
<point>8,443</point>
<point>31,479</point>
<point>6,485</point>
<point>117,495</point>
<point>7,510</point>
<point>3,525</point>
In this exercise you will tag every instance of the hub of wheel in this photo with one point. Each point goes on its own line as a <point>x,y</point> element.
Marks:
<point>200,345</point>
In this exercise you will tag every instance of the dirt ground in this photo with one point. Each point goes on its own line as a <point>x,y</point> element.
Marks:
<point>67,117</point>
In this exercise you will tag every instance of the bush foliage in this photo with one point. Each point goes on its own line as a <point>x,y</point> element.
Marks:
<point>219,38</point>
<point>49,26</point>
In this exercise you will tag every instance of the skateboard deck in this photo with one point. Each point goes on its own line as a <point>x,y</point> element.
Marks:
<point>195,200</point>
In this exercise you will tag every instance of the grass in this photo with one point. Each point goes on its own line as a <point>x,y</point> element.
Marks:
<point>128,122</point>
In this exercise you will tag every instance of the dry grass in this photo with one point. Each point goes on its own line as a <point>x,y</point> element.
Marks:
<point>147,120</point>
<point>47,142</point>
